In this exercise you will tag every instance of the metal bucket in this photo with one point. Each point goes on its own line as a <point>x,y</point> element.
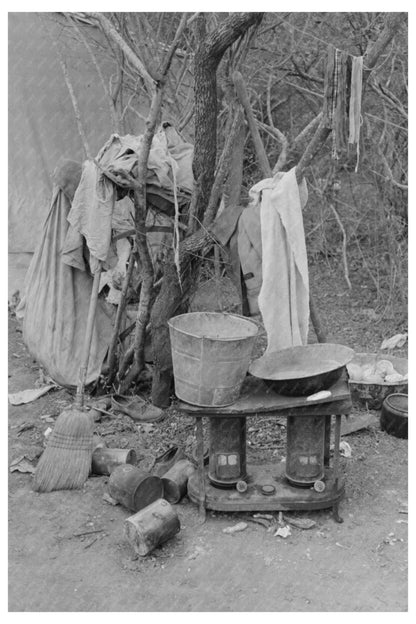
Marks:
<point>133,488</point>
<point>211,352</point>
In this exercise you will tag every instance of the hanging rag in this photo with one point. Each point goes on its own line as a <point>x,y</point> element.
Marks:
<point>355,104</point>
<point>284,294</point>
<point>339,102</point>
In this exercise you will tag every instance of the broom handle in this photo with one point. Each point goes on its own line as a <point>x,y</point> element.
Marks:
<point>79,399</point>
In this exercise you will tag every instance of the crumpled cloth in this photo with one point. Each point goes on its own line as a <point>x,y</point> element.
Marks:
<point>94,201</point>
<point>284,296</point>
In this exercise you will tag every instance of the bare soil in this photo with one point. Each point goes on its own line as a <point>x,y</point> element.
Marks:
<point>360,565</point>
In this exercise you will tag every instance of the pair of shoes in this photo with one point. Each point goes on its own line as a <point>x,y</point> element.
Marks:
<point>138,409</point>
<point>164,462</point>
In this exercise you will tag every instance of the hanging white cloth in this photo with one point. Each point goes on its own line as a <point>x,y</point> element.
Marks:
<point>284,294</point>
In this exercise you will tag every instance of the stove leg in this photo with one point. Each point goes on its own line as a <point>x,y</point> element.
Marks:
<point>201,468</point>
<point>337,440</point>
<point>327,440</point>
<point>335,514</point>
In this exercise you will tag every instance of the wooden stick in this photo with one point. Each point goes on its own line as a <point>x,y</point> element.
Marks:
<point>344,246</point>
<point>242,94</point>
<point>79,399</point>
<point>223,166</point>
<point>201,468</point>
<point>120,310</point>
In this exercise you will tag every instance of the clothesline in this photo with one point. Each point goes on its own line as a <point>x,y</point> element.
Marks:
<point>318,39</point>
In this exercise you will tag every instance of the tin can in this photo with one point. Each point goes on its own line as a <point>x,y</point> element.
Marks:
<point>151,526</point>
<point>175,480</point>
<point>104,460</point>
<point>133,488</point>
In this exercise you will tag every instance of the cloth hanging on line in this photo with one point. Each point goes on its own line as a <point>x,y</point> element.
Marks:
<point>343,100</point>
<point>355,103</point>
<point>339,109</point>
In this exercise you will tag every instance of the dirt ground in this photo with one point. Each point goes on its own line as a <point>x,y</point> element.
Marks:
<point>360,565</point>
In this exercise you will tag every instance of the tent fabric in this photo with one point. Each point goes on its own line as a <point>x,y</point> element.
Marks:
<point>284,296</point>
<point>55,305</point>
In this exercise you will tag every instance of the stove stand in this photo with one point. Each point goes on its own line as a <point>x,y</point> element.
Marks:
<point>306,480</point>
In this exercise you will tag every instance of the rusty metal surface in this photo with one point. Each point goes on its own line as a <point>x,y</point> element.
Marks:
<point>256,398</point>
<point>134,488</point>
<point>301,362</point>
<point>152,526</point>
<point>285,498</point>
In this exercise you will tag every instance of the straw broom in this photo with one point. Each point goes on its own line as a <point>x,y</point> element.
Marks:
<point>66,461</point>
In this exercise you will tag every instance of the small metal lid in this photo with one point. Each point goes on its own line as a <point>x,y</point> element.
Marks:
<point>268,490</point>
<point>398,402</point>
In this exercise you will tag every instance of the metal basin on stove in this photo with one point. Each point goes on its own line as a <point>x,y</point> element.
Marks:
<point>303,370</point>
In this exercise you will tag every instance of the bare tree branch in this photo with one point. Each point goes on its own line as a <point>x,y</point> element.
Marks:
<point>109,97</point>
<point>112,33</point>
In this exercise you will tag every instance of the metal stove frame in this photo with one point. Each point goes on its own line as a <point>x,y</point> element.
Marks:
<point>256,399</point>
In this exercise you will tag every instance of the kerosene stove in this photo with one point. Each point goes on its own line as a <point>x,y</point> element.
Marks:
<point>305,479</point>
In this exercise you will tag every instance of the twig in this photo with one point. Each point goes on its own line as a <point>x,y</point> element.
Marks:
<point>109,98</point>
<point>258,144</point>
<point>281,161</point>
<point>87,532</point>
<point>344,245</point>
<point>91,543</point>
<point>222,168</point>
<point>112,33</point>
<point>120,309</point>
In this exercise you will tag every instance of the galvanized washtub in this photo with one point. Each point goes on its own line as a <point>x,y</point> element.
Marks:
<point>211,352</point>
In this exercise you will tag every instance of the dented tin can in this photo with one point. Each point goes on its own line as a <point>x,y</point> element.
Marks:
<point>151,526</point>
<point>134,488</point>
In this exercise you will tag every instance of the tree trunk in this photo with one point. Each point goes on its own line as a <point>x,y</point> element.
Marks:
<point>209,53</point>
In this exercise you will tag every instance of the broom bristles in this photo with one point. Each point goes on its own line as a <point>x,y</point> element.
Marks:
<point>66,461</point>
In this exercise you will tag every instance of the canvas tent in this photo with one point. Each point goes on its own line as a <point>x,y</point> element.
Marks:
<point>42,124</point>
